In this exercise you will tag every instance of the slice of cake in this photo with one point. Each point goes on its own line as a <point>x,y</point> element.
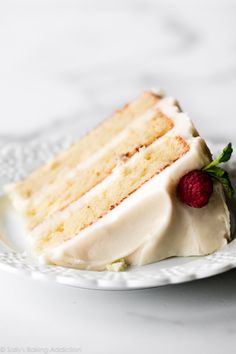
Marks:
<point>114,194</point>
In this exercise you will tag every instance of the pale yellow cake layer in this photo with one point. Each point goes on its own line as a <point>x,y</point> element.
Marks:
<point>87,146</point>
<point>69,190</point>
<point>134,173</point>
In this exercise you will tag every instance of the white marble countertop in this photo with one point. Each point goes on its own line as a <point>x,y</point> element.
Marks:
<point>63,59</point>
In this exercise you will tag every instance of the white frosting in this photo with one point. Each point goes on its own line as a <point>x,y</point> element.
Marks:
<point>21,203</point>
<point>182,126</point>
<point>71,173</point>
<point>151,224</point>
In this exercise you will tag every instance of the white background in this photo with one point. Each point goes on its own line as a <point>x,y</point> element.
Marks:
<point>60,60</point>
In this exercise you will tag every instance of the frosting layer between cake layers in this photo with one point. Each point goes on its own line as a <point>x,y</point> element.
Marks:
<point>89,161</point>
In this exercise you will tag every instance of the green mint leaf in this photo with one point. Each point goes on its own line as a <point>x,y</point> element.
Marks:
<point>223,157</point>
<point>222,176</point>
<point>218,173</point>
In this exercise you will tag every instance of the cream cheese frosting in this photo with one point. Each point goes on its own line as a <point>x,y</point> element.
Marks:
<point>151,224</point>
<point>67,173</point>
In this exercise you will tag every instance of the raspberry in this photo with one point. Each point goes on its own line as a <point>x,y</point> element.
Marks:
<point>195,188</point>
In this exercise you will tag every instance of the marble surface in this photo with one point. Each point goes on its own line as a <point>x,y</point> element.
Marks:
<point>74,61</point>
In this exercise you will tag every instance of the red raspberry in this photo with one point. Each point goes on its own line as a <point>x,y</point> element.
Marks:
<point>195,188</point>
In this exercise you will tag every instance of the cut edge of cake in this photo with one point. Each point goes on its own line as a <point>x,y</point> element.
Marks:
<point>78,152</point>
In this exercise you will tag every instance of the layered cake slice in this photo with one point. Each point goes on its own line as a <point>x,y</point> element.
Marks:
<point>118,193</point>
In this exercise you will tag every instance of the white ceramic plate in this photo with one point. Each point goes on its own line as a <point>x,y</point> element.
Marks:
<point>17,159</point>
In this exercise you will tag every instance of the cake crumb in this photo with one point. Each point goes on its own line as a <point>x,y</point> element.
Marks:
<point>117,266</point>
